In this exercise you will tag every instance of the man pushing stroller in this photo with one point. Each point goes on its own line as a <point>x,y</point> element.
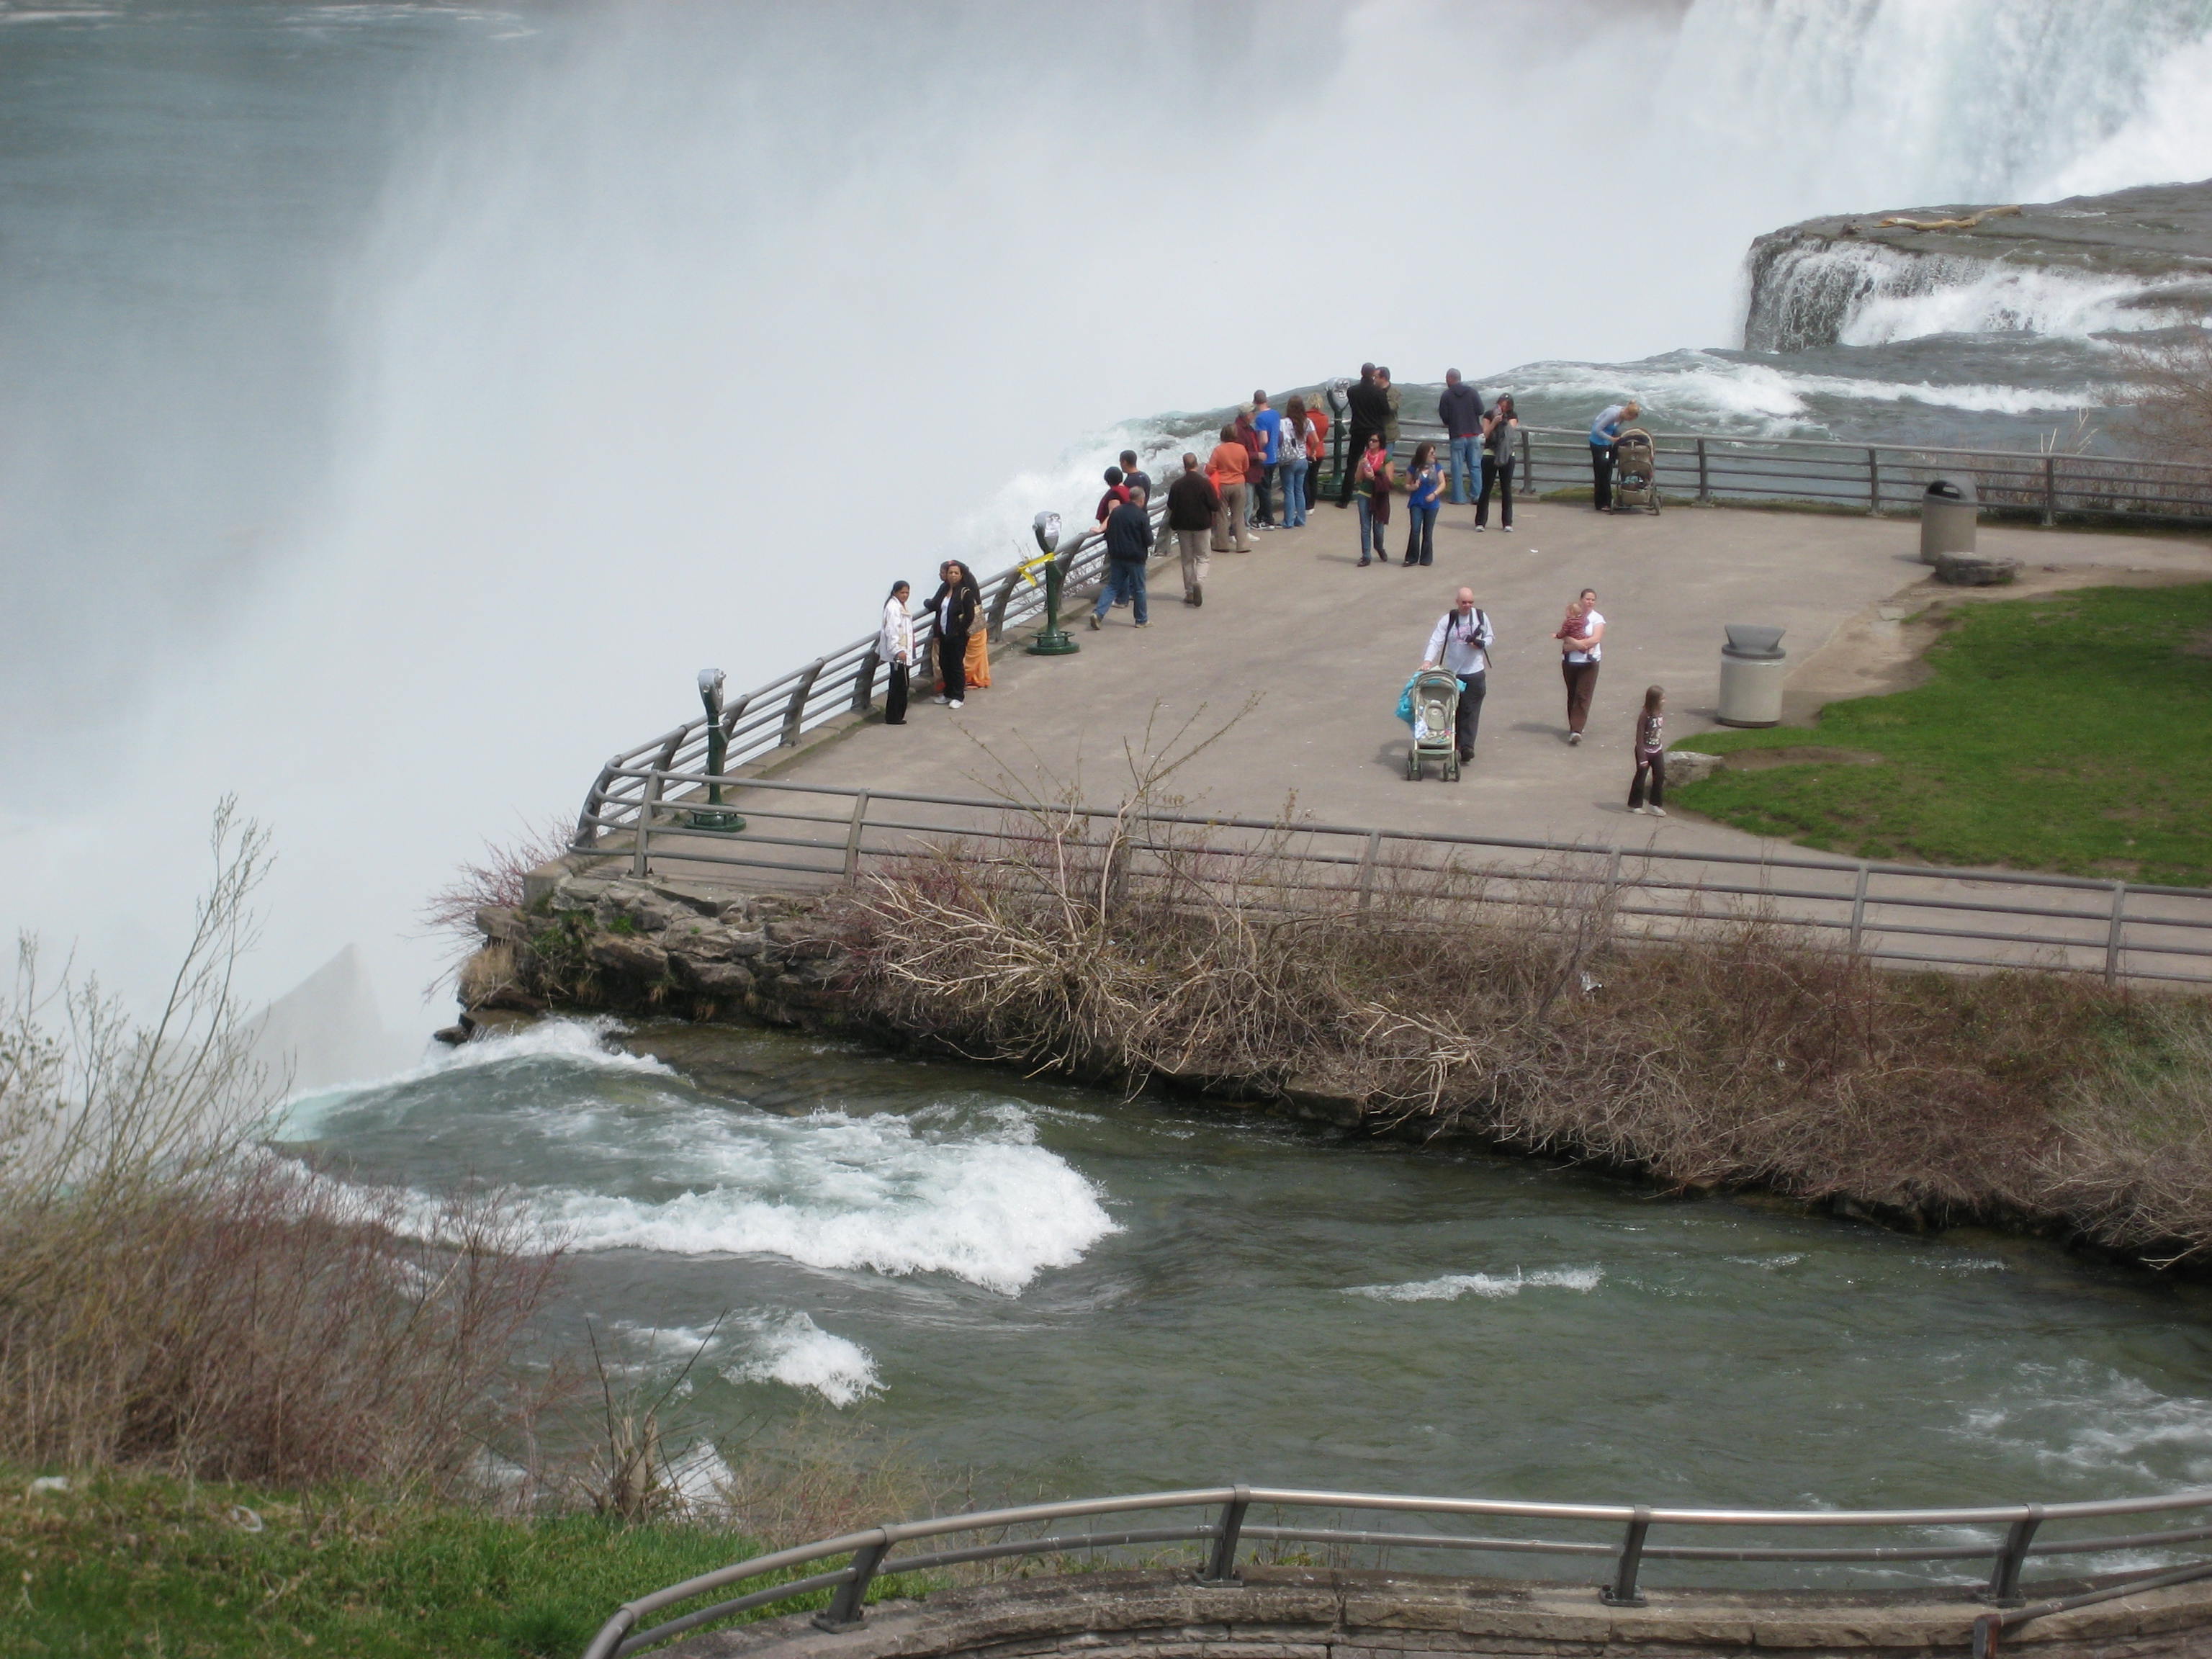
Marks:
<point>1460,643</point>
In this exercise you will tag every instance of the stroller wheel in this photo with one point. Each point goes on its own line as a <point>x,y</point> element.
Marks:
<point>1413,765</point>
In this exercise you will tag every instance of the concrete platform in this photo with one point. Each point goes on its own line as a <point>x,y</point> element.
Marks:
<point>1320,649</point>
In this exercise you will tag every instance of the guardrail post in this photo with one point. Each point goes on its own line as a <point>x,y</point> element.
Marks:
<point>2004,1581</point>
<point>1527,465</point>
<point>843,1612</point>
<point>998,622</point>
<point>795,710</point>
<point>2116,932</point>
<point>1367,867</point>
<point>654,782</point>
<point>853,839</point>
<point>1858,907</point>
<point>2050,489</point>
<point>1221,1561</point>
<point>1704,476</point>
<point>1622,1592</point>
<point>864,682</point>
<point>1873,483</point>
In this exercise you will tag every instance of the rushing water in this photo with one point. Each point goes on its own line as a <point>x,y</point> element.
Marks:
<point>1071,1293</point>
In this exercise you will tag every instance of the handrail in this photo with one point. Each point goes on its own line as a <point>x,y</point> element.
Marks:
<point>871,1549</point>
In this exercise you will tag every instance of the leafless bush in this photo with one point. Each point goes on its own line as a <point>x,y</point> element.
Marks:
<point>2172,397</point>
<point>817,1476</point>
<point>495,879</point>
<point>1740,1051</point>
<point>174,1295</point>
<point>2137,1151</point>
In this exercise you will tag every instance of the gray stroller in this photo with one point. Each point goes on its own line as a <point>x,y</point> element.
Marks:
<point>1635,470</point>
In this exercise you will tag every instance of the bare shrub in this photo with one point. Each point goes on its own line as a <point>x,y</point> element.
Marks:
<point>819,1475</point>
<point>174,1295</point>
<point>2171,396</point>
<point>496,878</point>
<point>1738,1052</point>
<point>2137,1151</point>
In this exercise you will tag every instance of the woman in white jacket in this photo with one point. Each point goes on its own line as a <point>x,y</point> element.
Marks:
<point>894,650</point>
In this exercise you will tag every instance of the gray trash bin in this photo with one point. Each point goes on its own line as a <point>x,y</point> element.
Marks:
<point>1949,512</point>
<point>1753,667</point>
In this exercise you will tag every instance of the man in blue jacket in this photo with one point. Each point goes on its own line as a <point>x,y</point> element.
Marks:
<point>1128,544</point>
<point>1460,408</point>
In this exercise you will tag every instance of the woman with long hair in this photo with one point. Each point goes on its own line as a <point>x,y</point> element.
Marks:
<point>1372,479</point>
<point>956,606</point>
<point>1297,438</point>
<point>1427,482</point>
<point>1499,427</point>
<point>894,650</point>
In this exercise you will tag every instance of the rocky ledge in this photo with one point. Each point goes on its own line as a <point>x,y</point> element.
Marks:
<point>2150,250</point>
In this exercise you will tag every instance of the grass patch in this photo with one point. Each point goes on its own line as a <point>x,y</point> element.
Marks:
<point>2065,733</point>
<point>129,1564</point>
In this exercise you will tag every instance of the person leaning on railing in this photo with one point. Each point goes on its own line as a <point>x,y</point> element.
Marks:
<point>1128,544</point>
<point>1603,431</point>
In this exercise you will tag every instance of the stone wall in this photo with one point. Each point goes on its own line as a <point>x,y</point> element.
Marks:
<point>1315,1613</point>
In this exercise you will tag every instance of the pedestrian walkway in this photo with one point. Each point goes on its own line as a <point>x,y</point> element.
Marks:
<point>1320,648</point>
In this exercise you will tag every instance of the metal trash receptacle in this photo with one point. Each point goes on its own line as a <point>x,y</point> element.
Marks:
<point>1753,667</point>
<point>1949,510</point>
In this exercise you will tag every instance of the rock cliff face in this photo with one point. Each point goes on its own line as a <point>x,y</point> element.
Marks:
<point>2132,259</point>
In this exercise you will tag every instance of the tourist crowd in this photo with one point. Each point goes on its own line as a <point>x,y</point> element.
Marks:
<point>1260,477</point>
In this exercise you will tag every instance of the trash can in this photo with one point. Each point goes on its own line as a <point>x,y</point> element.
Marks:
<point>1753,667</point>
<point>1948,512</point>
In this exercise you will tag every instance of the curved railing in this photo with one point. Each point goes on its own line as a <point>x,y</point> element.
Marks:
<point>773,716</point>
<point>869,1555</point>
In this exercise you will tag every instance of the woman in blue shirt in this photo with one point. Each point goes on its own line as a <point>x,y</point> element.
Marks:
<point>1603,431</point>
<point>1426,481</point>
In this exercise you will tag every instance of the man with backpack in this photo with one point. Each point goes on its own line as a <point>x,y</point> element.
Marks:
<point>1461,641</point>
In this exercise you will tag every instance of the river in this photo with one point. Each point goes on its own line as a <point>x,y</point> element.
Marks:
<point>1061,1292</point>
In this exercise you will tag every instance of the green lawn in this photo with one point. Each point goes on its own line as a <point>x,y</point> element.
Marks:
<point>140,1566</point>
<point>2071,733</point>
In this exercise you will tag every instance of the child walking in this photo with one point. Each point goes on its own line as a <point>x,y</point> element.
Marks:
<point>1650,755</point>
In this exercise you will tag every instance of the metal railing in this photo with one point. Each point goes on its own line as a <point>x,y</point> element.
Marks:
<point>817,835</point>
<point>758,722</point>
<point>2013,1535</point>
<point>1874,478</point>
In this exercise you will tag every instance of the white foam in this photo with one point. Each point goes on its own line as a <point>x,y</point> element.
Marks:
<point>1495,1287</point>
<point>580,1042</point>
<point>793,1350</point>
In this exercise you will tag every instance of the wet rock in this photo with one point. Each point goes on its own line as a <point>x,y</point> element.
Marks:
<point>1688,766</point>
<point>627,957</point>
<point>1975,569</point>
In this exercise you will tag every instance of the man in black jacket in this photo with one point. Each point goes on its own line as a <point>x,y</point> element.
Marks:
<point>1460,410</point>
<point>1192,502</point>
<point>1369,401</point>
<point>1128,544</point>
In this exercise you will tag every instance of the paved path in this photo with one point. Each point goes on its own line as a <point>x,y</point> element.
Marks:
<point>1325,647</point>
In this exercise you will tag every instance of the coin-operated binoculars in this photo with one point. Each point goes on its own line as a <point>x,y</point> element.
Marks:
<point>1054,641</point>
<point>713,815</point>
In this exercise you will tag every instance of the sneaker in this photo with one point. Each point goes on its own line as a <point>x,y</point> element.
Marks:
<point>1143,624</point>
<point>1094,629</point>
<point>1574,738</point>
<point>940,701</point>
<point>1658,811</point>
<point>1635,809</point>
<point>956,703</point>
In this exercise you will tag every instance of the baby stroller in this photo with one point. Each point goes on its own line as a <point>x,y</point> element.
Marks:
<point>1635,470</point>
<point>1435,692</point>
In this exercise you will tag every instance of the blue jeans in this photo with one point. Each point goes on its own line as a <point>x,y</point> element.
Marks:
<point>1420,535</point>
<point>1124,577</point>
<point>1370,531</point>
<point>1294,493</point>
<point>1465,468</point>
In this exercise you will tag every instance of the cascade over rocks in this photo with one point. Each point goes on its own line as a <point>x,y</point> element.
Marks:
<point>2132,259</point>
